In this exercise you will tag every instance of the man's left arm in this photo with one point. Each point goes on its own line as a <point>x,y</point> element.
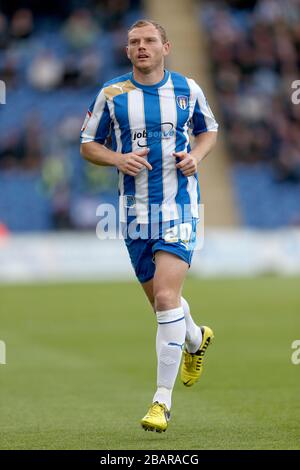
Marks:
<point>203,144</point>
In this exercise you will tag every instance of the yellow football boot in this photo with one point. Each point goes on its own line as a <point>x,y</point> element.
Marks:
<point>157,418</point>
<point>192,364</point>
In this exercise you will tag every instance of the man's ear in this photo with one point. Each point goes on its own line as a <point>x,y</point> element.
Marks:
<point>127,52</point>
<point>167,48</point>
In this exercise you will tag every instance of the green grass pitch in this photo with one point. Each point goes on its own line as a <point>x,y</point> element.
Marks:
<point>81,367</point>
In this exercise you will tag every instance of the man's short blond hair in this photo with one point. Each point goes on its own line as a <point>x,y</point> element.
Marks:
<point>160,29</point>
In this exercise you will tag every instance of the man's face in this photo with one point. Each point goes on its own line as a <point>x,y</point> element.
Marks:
<point>145,48</point>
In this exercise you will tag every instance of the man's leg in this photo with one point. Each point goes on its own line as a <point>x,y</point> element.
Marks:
<point>193,335</point>
<point>168,279</point>
<point>167,285</point>
<point>197,338</point>
<point>148,289</point>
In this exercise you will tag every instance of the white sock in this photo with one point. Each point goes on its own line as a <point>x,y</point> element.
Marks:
<point>170,338</point>
<point>193,336</point>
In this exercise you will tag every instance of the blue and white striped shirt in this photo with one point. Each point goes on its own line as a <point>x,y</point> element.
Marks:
<point>157,117</point>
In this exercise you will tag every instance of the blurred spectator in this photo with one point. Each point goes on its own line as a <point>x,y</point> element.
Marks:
<point>46,71</point>
<point>288,165</point>
<point>90,68</point>
<point>21,26</point>
<point>119,43</point>
<point>9,72</point>
<point>80,29</point>
<point>71,72</point>
<point>54,57</point>
<point>256,56</point>
<point>111,13</point>
<point>23,148</point>
<point>3,31</point>
<point>255,53</point>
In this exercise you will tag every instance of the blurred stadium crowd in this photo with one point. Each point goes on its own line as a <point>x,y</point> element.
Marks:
<point>55,55</point>
<point>255,54</point>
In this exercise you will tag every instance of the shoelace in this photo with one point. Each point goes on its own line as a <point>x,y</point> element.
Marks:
<point>156,409</point>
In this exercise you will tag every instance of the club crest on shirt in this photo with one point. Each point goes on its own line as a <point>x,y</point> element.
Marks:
<point>182,101</point>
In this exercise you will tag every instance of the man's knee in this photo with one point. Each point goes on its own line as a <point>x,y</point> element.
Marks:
<point>165,299</point>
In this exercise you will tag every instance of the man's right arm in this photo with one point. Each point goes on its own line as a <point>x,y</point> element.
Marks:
<point>129,163</point>
<point>99,154</point>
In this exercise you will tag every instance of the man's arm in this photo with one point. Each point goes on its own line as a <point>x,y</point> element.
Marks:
<point>129,163</point>
<point>99,154</point>
<point>95,129</point>
<point>204,143</point>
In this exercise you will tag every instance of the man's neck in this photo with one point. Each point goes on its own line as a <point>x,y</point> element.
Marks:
<point>150,78</point>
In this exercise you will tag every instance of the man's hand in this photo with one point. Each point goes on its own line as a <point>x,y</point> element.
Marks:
<point>187,164</point>
<point>132,163</point>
